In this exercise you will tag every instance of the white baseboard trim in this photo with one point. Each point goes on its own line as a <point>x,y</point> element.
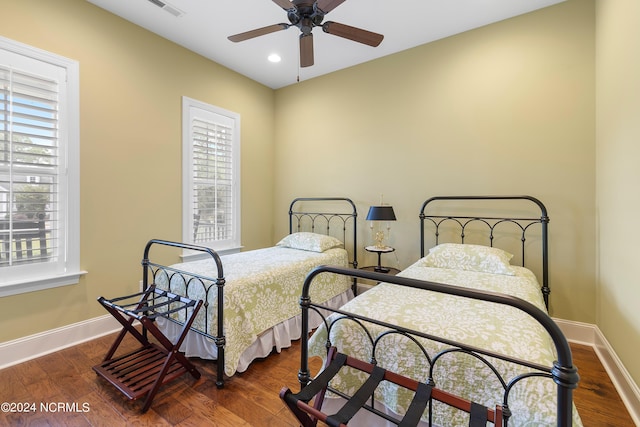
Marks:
<point>33,346</point>
<point>588,334</point>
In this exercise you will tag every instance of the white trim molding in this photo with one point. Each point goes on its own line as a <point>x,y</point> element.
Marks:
<point>588,334</point>
<point>33,346</point>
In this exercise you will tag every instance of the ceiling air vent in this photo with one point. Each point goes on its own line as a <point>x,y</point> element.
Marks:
<point>167,7</point>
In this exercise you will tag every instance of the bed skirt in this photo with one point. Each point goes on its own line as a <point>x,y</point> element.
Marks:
<point>280,336</point>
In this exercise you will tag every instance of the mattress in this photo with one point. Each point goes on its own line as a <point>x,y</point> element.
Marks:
<point>501,329</point>
<point>262,289</point>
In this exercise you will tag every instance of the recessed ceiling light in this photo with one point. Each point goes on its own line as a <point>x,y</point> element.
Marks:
<point>274,57</point>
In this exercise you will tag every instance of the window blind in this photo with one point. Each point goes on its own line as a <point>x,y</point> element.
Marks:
<point>29,168</point>
<point>213,173</point>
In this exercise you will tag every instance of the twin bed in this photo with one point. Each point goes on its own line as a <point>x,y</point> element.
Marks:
<point>260,289</point>
<point>463,318</point>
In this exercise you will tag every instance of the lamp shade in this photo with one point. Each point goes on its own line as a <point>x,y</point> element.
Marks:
<point>381,213</point>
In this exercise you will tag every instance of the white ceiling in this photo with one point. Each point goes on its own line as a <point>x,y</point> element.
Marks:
<point>204,25</point>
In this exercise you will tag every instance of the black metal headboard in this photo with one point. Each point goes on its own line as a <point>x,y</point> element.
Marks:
<point>334,216</point>
<point>449,214</point>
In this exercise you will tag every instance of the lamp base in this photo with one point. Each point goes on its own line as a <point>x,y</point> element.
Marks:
<point>380,269</point>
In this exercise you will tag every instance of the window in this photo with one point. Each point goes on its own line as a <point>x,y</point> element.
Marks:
<point>39,169</point>
<point>211,176</point>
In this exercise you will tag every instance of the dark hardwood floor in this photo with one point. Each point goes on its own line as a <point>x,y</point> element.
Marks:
<point>61,389</point>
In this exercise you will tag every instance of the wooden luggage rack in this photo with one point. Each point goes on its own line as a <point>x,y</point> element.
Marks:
<point>142,371</point>
<point>425,393</point>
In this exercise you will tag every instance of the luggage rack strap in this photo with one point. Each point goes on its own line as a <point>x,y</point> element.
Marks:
<point>142,307</point>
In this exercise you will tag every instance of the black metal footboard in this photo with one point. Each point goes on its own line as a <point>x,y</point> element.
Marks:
<point>191,285</point>
<point>562,372</point>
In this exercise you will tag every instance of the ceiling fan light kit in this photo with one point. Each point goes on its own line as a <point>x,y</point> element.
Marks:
<point>307,14</point>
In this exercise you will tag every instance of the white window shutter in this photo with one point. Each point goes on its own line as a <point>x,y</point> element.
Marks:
<point>39,169</point>
<point>211,176</point>
<point>29,168</point>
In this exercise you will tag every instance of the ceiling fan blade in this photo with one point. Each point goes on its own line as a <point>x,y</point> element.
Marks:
<point>285,4</point>
<point>258,32</point>
<point>327,5</point>
<point>306,50</point>
<point>352,33</point>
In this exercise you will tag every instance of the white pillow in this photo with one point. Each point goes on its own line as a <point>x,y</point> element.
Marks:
<point>480,258</point>
<point>310,242</point>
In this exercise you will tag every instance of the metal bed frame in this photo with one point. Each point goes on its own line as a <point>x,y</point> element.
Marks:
<point>563,372</point>
<point>520,222</point>
<point>318,220</point>
<point>440,219</point>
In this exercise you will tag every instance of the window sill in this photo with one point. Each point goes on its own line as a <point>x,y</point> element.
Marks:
<point>196,256</point>
<point>38,284</point>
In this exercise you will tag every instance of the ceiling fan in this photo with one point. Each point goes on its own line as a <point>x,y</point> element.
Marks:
<point>307,14</point>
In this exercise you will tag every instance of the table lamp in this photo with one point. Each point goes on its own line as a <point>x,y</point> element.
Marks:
<point>381,213</point>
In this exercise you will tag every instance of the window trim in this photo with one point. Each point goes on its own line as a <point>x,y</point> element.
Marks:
<point>71,175</point>
<point>187,177</point>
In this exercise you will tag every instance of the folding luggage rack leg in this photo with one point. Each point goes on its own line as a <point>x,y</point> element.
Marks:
<point>142,371</point>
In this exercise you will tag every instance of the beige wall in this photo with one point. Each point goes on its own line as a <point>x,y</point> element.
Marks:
<point>504,109</point>
<point>618,176</point>
<point>508,108</point>
<point>131,84</point>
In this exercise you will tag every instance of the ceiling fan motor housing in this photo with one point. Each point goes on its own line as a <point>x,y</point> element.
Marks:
<point>305,14</point>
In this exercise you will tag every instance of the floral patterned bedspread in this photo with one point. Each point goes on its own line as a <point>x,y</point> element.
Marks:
<point>262,289</point>
<point>502,329</point>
